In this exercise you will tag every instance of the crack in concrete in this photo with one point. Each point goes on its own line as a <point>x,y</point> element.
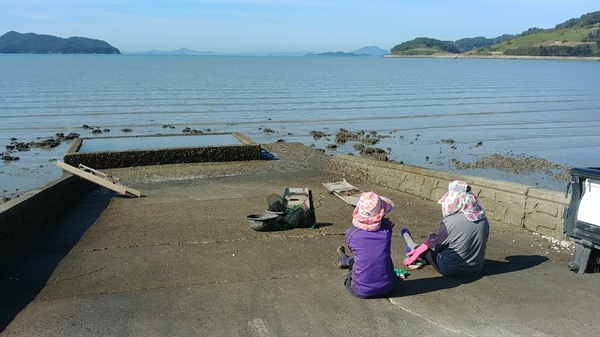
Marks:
<point>391,300</point>
<point>76,276</point>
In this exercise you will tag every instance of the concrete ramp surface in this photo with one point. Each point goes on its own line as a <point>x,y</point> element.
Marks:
<point>182,260</point>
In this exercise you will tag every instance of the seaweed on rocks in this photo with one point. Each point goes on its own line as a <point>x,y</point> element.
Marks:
<point>517,164</point>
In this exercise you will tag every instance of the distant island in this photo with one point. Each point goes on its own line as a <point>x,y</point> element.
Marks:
<point>572,38</point>
<point>368,51</point>
<point>31,43</point>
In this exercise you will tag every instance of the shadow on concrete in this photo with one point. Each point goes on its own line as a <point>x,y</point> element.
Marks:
<point>417,286</point>
<point>25,275</point>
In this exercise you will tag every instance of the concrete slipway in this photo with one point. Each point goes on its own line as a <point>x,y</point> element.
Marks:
<point>183,261</point>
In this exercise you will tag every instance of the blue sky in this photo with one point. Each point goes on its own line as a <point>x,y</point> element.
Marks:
<point>301,25</point>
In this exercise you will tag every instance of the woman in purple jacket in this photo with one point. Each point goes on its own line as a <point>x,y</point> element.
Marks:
<point>371,271</point>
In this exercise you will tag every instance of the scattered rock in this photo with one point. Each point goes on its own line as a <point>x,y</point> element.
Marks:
<point>192,131</point>
<point>369,141</point>
<point>374,153</point>
<point>44,143</point>
<point>343,135</point>
<point>47,143</point>
<point>9,158</point>
<point>358,147</point>
<point>70,136</point>
<point>317,134</point>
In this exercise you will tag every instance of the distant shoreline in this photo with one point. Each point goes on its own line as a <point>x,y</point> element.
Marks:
<point>506,57</point>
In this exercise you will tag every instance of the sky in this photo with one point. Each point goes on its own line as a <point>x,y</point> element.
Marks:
<point>282,26</point>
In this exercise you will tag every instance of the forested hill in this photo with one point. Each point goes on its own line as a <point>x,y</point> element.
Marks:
<point>31,43</point>
<point>575,37</point>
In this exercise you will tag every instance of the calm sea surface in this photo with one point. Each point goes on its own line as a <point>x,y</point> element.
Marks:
<point>548,109</point>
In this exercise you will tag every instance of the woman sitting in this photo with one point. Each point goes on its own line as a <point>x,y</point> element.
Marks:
<point>458,246</point>
<point>371,271</point>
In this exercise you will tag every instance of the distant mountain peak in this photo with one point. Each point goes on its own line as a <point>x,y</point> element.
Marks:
<point>371,50</point>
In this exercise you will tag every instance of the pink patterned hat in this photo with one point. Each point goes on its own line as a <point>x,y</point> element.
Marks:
<point>459,198</point>
<point>369,211</point>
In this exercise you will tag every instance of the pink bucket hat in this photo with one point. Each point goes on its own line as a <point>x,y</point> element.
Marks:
<point>369,211</point>
<point>459,198</point>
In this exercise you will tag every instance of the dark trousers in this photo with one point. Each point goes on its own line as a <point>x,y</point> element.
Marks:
<point>430,257</point>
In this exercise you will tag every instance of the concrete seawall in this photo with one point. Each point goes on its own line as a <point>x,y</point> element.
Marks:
<point>23,218</point>
<point>517,205</point>
<point>513,204</point>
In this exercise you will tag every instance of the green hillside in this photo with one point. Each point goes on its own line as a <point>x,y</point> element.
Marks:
<point>575,37</point>
<point>562,42</point>
<point>31,43</point>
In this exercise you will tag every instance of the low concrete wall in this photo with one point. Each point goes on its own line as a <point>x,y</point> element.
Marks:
<point>513,204</point>
<point>22,218</point>
<point>246,150</point>
<point>116,159</point>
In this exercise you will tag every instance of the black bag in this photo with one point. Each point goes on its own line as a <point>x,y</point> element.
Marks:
<point>276,203</point>
<point>300,216</point>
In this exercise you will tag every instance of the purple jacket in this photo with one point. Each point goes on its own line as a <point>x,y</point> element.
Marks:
<point>373,271</point>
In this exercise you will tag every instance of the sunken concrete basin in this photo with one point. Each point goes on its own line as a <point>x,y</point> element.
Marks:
<point>114,152</point>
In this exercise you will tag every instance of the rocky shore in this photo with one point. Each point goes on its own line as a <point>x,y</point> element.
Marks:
<point>363,143</point>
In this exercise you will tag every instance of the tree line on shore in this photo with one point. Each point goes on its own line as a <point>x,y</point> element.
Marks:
<point>574,37</point>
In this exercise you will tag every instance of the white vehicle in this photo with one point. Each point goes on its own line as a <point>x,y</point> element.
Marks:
<point>581,219</point>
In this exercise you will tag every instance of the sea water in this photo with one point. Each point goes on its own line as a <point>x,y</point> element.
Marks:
<point>544,108</point>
